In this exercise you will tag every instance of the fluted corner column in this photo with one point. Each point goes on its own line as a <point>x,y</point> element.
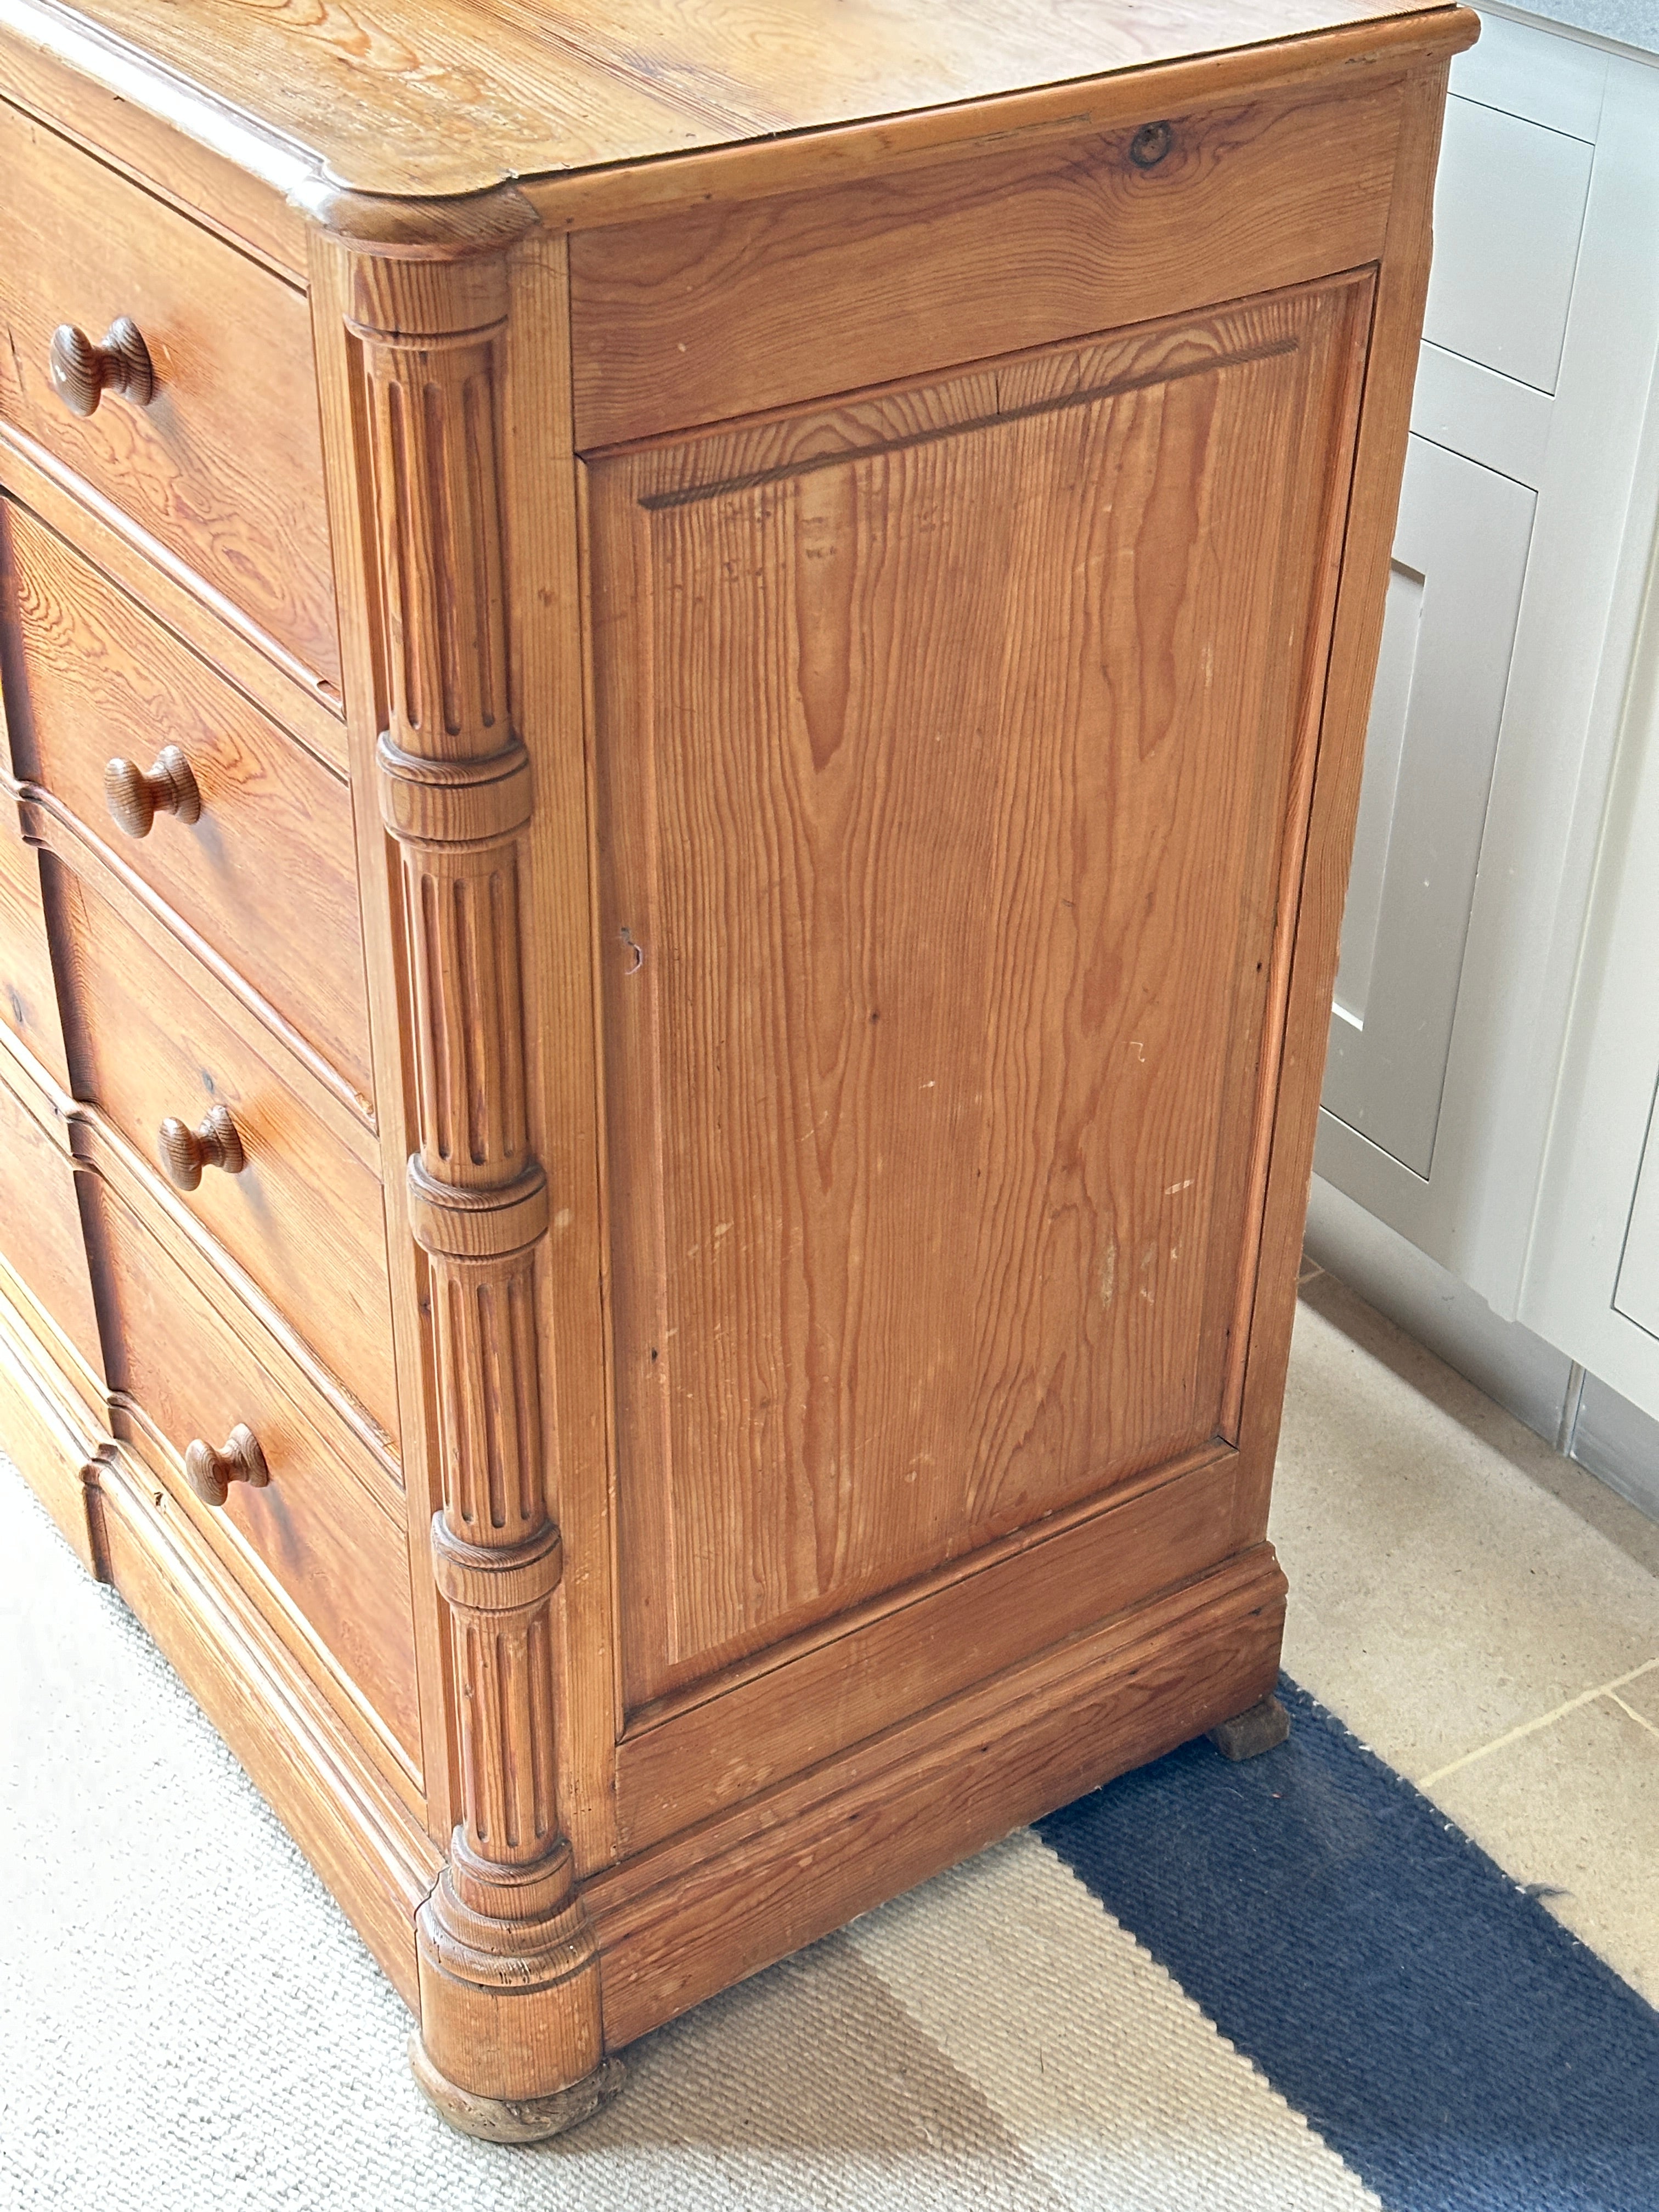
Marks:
<point>510,2041</point>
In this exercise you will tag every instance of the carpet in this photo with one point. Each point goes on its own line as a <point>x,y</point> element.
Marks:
<point>1287,1986</point>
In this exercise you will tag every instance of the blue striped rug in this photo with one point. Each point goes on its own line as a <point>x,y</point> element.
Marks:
<point>1458,2048</point>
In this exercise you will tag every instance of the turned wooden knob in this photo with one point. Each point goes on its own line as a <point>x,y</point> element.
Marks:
<point>135,796</point>
<point>239,1459</point>
<point>213,1143</point>
<point>82,373</point>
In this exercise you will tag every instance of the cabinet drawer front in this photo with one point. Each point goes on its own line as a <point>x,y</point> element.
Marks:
<point>266,874</point>
<point>702,317</point>
<point>28,996</point>
<point>223,466</point>
<point>304,1215</point>
<point>41,1239</point>
<point>327,1531</point>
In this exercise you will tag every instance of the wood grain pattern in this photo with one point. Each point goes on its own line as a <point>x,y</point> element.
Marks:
<point>380,897</point>
<point>937,903</point>
<point>548,658</point>
<point>545,662</point>
<point>194,171</point>
<point>677,1924</point>
<point>1319,888</point>
<point>214,626</point>
<point>696,318</point>
<point>413,98</point>
<point>327,1530</point>
<point>211,1469</point>
<point>837,577</point>
<point>365,1841</point>
<point>61,837</point>
<point>29,989</point>
<point>455,777</point>
<point>763,168</point>
<point>675,1768</point>
<point>215,1142</point>
<point>304,1216</point>
<point>51,1438</point>
<point>53,1395</point>
<point>268,875</point>
<point>224,465</point>
<point>40,1209</point>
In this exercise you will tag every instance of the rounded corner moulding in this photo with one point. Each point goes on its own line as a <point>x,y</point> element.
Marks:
<point>451,227</point>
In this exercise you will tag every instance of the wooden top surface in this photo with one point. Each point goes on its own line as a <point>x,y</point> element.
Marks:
<point>420,97</point>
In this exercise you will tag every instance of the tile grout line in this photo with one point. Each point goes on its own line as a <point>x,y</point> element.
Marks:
<point>1641,1719</point>
<point>1543,1721</point>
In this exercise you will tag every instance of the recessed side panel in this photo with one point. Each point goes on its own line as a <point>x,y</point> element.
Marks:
<point>945,743</point>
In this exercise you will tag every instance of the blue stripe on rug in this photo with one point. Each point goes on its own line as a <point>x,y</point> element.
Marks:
<point>1454,2042</point>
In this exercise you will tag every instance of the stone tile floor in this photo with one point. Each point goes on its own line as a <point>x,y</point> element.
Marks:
<point>1481,1611</point>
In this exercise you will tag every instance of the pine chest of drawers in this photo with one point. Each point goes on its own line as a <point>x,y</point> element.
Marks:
<point>685,700</point>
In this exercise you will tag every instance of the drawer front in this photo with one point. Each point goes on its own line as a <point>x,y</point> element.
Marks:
<point>41,1240</point>
<point>28,996</point>
<point>267,872</point>
<point>730,310</point>
<point>304,1215</point>
<point>327,1530</point>
<point>224,465</point>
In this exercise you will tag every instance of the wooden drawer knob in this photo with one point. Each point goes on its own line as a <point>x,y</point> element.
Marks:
<point>239,1459</point>
<point>136,796</point>
<point>213,1143</point>
<point>82,373</point>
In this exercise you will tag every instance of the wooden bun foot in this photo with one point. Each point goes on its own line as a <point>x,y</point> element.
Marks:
<point>519,2120</point>
<point>1263,1727</point>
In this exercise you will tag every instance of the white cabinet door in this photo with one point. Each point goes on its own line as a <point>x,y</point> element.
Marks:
<point>1527,517</point>
<point>1459,559</point>
<point>1637,1295</point>
<point>1593,1284</point>
<point>1509,210</point>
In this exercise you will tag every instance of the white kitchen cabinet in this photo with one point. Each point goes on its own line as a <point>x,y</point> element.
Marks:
<point>1636,1290</point>
<point>1488,1161</point>
<point>1459,559</point>
<point>1510,209</point>
<point>1593,1283</point>
<point>1528,515</point>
